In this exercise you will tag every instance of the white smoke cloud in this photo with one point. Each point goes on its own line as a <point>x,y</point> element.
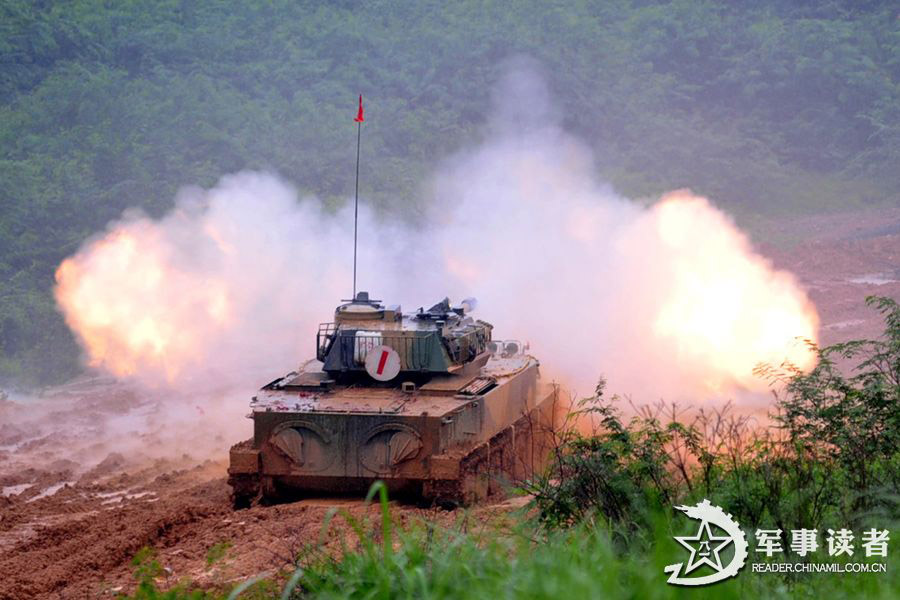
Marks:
<point>230,283</point>
<point>668,301</point>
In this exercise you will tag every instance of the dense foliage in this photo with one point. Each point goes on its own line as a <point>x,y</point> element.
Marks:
<point>106,105</point>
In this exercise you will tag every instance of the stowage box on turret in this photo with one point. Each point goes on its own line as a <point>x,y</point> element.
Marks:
<point>427,403</point>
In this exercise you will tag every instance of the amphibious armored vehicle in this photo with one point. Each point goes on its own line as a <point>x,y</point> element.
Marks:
<point>427,402</point>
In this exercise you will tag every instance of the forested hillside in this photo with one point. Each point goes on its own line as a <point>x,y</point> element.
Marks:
<point>765,106</point>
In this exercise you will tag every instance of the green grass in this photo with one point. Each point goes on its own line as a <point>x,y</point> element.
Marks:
<point>582,562</point>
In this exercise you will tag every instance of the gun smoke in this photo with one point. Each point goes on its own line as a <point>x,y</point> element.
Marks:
<point>667,300</point>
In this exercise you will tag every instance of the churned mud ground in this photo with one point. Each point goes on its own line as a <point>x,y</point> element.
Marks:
<point>94,471</point>
<point>78,540</point>
<point>84,483</point>
<point>840,259</point>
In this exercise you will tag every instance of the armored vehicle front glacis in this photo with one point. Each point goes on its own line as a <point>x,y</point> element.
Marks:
<point>427,403</point>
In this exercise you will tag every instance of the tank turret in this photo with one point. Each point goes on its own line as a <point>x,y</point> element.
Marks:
<point>440,340</point>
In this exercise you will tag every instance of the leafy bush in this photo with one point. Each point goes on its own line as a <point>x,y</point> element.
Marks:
<point>850,421</point>
<point>832,456</point>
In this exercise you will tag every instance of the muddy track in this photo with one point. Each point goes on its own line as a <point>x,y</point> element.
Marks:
<point>80,542</point>
<point>840,259</point>
<point>73,552</point>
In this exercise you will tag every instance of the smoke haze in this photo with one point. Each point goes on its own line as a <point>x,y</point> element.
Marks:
<point>668,301</point>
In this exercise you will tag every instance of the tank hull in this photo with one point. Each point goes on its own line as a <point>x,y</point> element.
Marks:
<point>453,440</point>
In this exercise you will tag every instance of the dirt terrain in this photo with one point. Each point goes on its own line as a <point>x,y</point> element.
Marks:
<point>90,472</point>
<point>70,535</point>
<point>840,259</point>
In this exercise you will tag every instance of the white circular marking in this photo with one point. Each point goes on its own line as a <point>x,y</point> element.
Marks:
<point>382,363</point>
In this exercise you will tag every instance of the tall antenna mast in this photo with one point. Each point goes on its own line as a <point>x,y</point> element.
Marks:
<point>359,121</point>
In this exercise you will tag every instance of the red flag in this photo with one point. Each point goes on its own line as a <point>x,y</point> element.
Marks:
<point>359,115</point>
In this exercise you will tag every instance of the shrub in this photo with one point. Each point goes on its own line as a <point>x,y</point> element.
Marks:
<point>831,456</point>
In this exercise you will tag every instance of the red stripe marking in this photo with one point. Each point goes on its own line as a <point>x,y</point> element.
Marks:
<point>384,357</point>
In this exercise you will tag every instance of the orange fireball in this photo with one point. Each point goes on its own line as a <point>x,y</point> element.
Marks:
<point>133,308</point>
<point>723,307</point>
